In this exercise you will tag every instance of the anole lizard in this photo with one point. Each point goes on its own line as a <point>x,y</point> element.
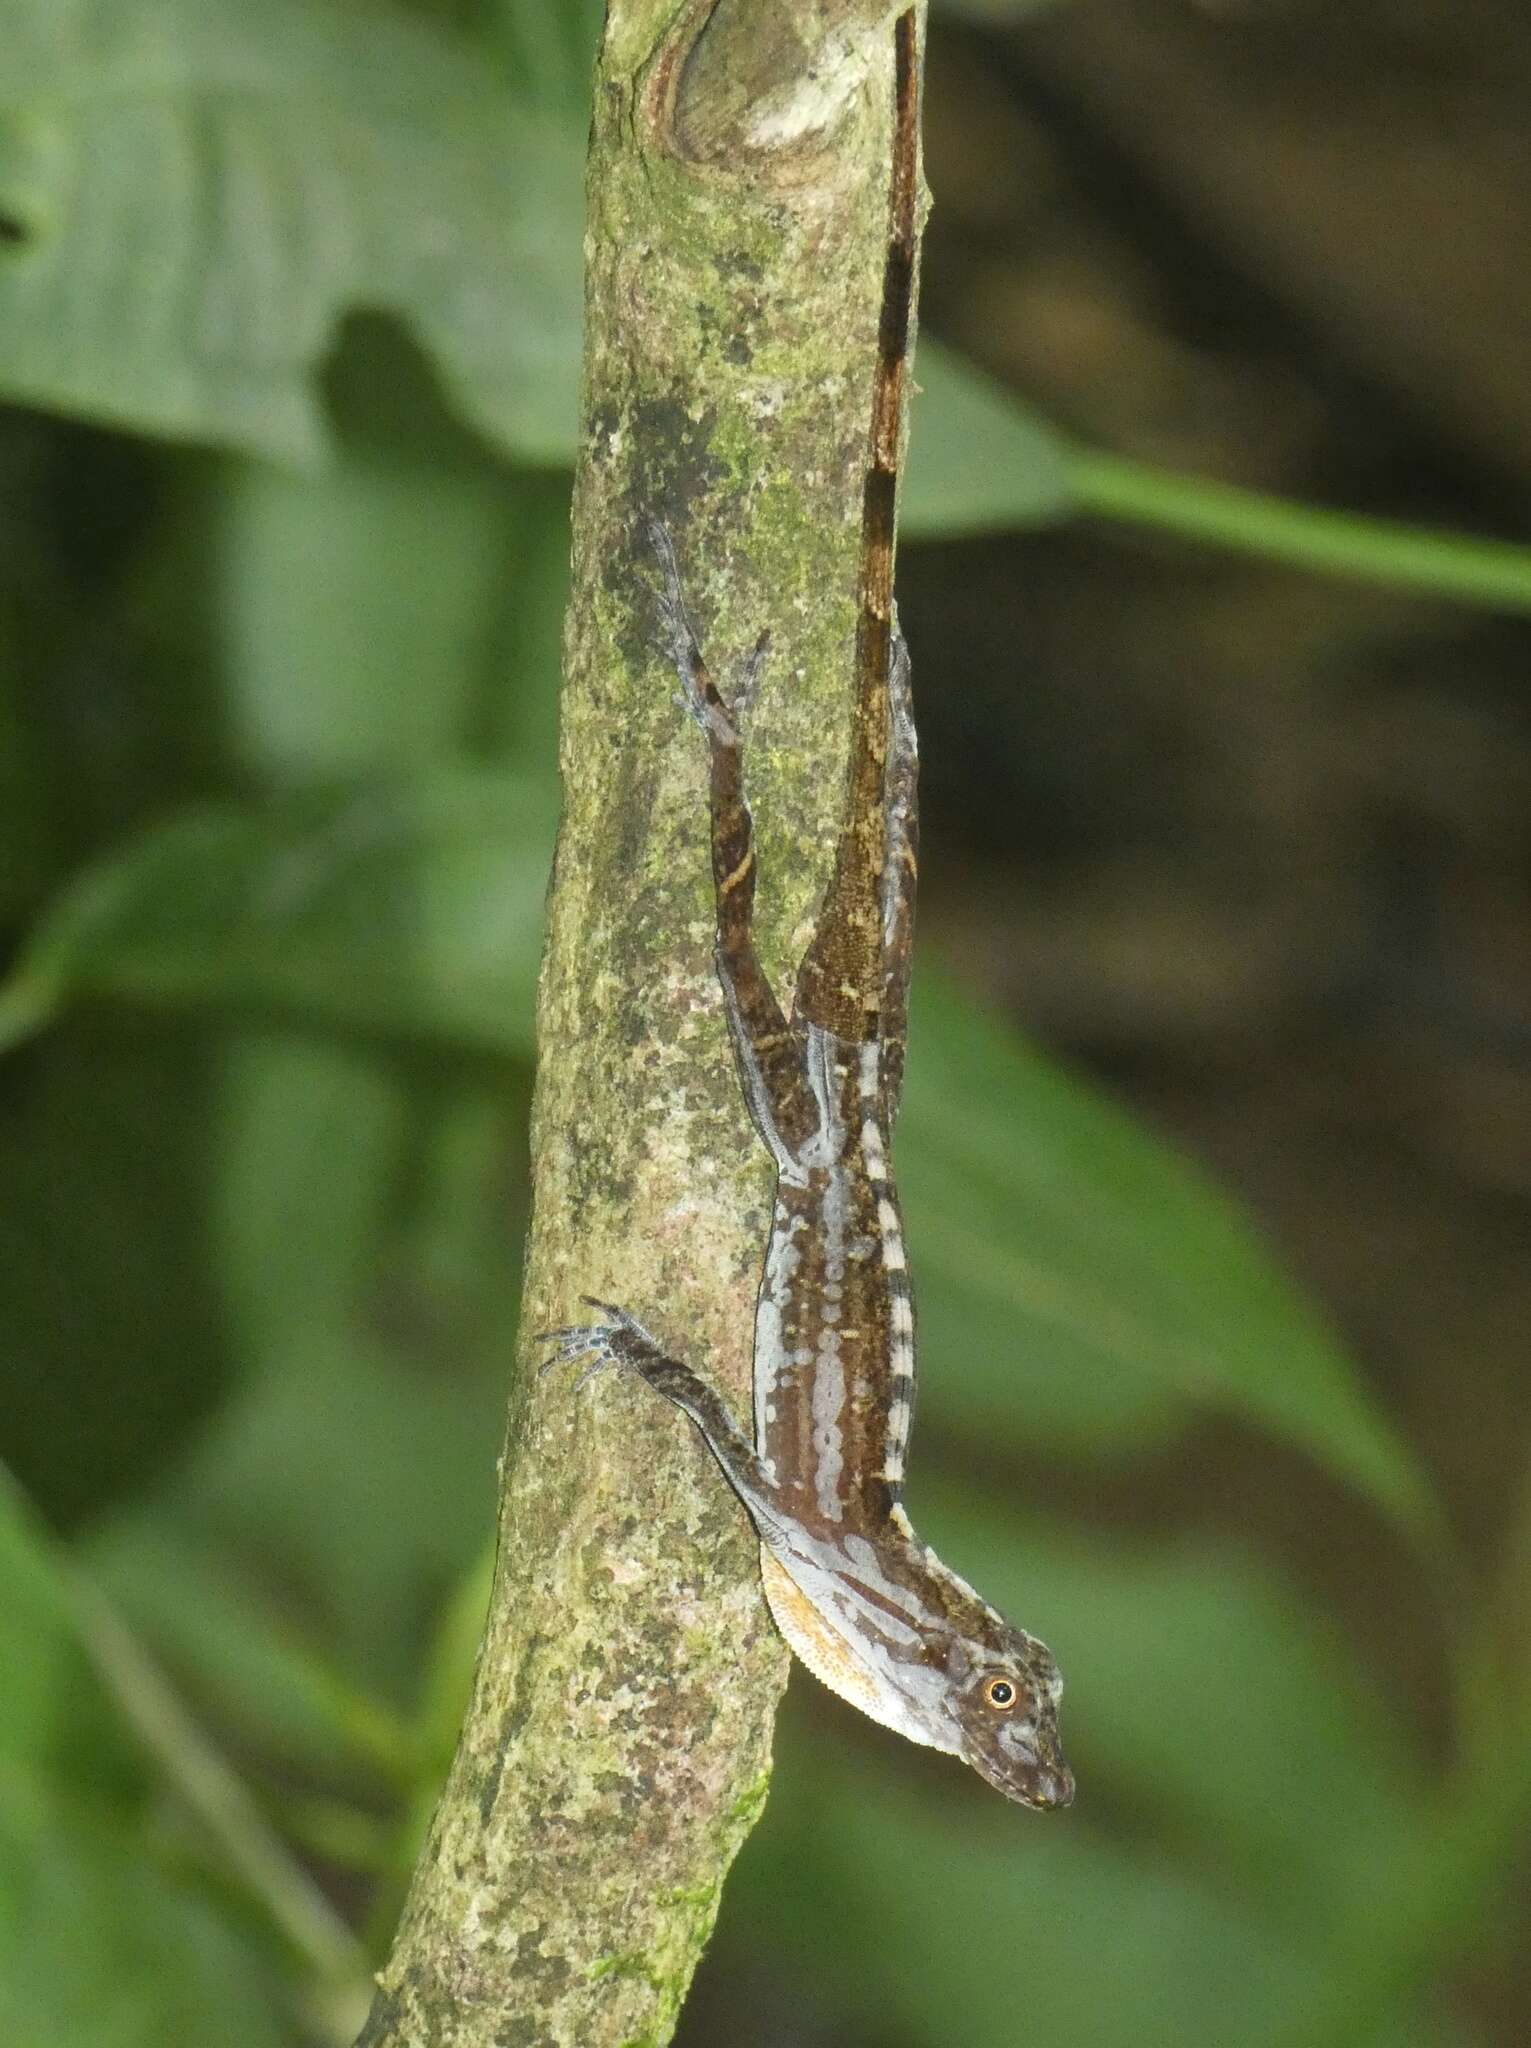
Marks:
<point>869,1608</point>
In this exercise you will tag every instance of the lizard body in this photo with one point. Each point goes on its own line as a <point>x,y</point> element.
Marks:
<point>869,1608</point>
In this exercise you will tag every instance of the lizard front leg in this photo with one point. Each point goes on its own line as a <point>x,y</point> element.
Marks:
<point>622,1343</point>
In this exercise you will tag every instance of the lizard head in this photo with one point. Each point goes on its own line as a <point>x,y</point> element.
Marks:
<point>1004,1698</point>
<point>959,1679</point>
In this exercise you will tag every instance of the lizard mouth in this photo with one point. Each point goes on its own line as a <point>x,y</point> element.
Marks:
<point>1042,1786</point>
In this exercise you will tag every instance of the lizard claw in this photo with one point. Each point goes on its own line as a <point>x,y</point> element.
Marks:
<point>624,1319</point>
<point>749,681</point>
<point>593,1341</point>
<point>694,709</point>
<point>697,697</point>
<point>606,1344</point>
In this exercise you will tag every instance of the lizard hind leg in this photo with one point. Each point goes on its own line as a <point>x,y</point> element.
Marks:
<point>900,875</point>
<point>767,1050</point>
<point>698,695</point>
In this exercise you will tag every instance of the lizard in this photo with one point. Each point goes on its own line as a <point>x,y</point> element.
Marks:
<point>869,1608</point>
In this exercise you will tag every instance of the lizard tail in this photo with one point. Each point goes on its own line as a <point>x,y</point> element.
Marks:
<point>840,981</point>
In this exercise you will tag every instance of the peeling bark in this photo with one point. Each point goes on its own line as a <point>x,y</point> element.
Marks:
<point>617,1747</point>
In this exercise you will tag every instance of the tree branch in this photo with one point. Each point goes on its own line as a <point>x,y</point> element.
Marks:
<point>616,1751</point>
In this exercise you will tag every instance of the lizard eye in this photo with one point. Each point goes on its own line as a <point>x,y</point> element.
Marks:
<point>999,1692</point>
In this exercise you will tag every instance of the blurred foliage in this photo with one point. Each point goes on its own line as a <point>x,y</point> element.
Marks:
<point>276,758</point>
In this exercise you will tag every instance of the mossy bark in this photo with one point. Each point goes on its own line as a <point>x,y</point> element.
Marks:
<point>617,1748</point>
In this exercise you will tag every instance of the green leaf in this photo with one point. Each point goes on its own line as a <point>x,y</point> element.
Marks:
<point>977,457</point>
<point>1254,1857</point>
<point>360,1484</point>
<point>107,1364</point>
<point>360,1237</point>
<point>203,189</point>
<point>549,47</point>
<point>24,782</point>
<point>1220,1878</point>
<point>98,1949</point>
<point>100,1946</point>
<point>378,584</point>
<point>1204,1699</point>
<point>964,1922</point>
<point>979,1925</point>
<point>445,1691</point>
<point>412,908</point>
<point>448,1675</point>
<point>416,588</point>
<point>1080,1284</point>
<point>53,1717</point>
<point>244,1664</point>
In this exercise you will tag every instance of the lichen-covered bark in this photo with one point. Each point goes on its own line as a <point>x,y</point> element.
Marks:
<point>617,1748</point>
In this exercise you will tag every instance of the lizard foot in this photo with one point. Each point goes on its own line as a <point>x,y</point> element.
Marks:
<point>621,1343</point>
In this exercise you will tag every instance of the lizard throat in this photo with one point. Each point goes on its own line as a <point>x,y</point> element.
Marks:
<point>833,1659</point>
